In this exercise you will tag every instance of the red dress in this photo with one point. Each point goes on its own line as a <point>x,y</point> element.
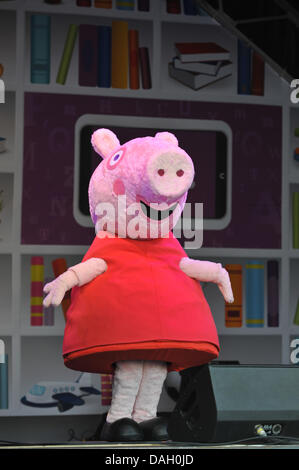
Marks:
<point>144,307</point>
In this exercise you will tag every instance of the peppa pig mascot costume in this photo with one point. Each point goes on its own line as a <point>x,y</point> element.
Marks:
<point>138,310</point>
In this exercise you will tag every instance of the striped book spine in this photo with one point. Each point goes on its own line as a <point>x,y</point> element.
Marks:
<point>106,389</point>
<point>255,294</point>
<point>40,37</point>
<point>233,312</point>
<point>125,4</point>
<point>119,54</point>
<point>37,284</point>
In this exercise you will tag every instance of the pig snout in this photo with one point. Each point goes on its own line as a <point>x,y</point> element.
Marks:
<point>170,174</point>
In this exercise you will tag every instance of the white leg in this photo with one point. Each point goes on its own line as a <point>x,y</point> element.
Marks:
<point>147,400</point>
<point>126,382</point>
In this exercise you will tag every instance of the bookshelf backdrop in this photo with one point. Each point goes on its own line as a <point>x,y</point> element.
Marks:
<point>34,352</point>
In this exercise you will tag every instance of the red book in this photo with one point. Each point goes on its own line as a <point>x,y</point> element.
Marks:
<point>173,6</point>
<point>133,59</point>
<point>258,74</point>
<point>201,51</point>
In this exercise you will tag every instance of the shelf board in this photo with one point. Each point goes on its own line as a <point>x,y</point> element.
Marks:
<point>235,253</point>
<point>41,331</point>
<point>194,19</point>
<point>5,248</point>
<point>68,8</point>
<point>8,5</point>
<point>293,253</point>
<point>90,91</point>
<point>31,411</point>
<point>153,93</point>
<point>245,331</point>
<point>53,249</point>
<point>7,164</point>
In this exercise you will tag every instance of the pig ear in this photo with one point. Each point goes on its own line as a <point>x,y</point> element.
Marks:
<point>168,137</point>
<point>104,142</point>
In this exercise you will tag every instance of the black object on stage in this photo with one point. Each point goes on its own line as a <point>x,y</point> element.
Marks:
<point>221,403</point>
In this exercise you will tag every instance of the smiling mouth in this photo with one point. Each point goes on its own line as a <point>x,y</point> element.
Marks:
<point>156,214</point>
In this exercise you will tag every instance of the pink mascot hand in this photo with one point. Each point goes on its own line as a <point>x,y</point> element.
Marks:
<point>57,288</point>
<point>207,271</point>
<point>225,285</point>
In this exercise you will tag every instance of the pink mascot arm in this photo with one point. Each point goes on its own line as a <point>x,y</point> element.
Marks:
<point>77,275</point>
<point>207,271</point>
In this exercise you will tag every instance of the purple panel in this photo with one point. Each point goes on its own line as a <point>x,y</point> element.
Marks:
<point>47,212</point>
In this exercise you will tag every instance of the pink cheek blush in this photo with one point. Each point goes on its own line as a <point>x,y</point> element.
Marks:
<point>119,187</point>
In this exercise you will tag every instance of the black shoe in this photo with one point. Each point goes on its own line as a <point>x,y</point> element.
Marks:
<point>122,430</point>
<point>155,429</point>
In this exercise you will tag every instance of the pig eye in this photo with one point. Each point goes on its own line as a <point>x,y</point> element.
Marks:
<point>115,159</point>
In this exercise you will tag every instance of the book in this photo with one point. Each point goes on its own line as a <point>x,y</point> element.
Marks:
<point>48,312</point>
<point>244,68</point>
<point>4,383</point>
<point>40,48</point>
<point>233,312</point>
<point>206,67</point>
<point>200,51</point>
<point>295,214</point>
<point>119,54</point>
<point>143,5</point>
<point>190,7</point>
<point>173,6</point>
<point>36,291</point>
<point>296,316</point>
<point>272,293</point>
<point>67,54</point>
<point>257,74</point>
<point>133,59</point>
<point>59,266</point>
<point>145,69</point>
<point>104,56</point>
<point>254,293</point>
<point>196,81</point>
<point>2,144</point>
<point>88,55</point>
<point>125,4</point>
<point>83,3</point>
<point>106,389</point>
<point>103,3</point>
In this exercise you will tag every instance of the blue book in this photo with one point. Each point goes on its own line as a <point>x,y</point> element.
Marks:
<point>244,68</point>
<point>4,382</point>
<point>40,48</point>
<point>190,7</point>
<point>104,56</point>
<point>254,294</point>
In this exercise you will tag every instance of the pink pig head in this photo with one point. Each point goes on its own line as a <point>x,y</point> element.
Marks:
<point>140,188</point>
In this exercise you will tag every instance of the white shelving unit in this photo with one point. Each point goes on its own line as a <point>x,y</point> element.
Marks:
<point>35,352</point>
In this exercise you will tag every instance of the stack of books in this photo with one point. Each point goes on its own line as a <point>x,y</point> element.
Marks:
<point>199,64</point>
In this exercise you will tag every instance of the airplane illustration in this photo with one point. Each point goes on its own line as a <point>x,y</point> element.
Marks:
<point>64,395</point>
